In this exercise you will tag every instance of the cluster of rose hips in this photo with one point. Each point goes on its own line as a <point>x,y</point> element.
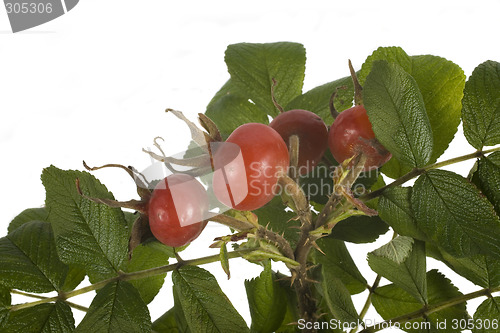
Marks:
<point>248,165</point>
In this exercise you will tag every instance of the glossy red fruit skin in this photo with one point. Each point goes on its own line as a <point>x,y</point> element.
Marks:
<point>176,210</point>
<point>312,132</point>
<point>248,181</point>
<point>352,133</point>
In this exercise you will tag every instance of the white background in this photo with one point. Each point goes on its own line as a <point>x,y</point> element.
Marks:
<point>94,83</point>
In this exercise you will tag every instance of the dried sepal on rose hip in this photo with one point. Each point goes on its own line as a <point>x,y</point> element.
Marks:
<point>351,133</point>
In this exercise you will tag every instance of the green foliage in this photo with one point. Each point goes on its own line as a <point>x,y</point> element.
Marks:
<point>397,112</point>
<point>254,66</point>
<point>339,264</point>
<point>28,259</point>
<point>145,256</point>
<point>481,106</point>
<point>395,209</point>
<point>87,234</point>
<point>204,306</point>
<point>28,215</point>
<point>441,84</point>
<point>266,298</point>
<point>415,104</point>
<point>486,316</point>
<point>402,261</point>
<point>451,211</point>
<point>392,301</point>
<point>43,318</point>
<point>487,178</point>
<point>118,307</point>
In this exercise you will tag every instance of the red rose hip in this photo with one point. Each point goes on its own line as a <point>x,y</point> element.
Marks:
<point>177,209</point>
<point>311,131</point>
<point>247,166</point>
<point>351,134</point>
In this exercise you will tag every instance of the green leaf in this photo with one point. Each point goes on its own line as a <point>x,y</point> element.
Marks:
<point>397,112</point>
<point>360,229</point>
<point>317,99</point>
<point>29,261</point>
<point>265,299</point>
<point>402,261</point>
<point>224,260</point>
<point>206,308</point>
<point>441,83</point>
<point>274,216</point>
<point>391,301</point>
<point>481,105</point>
<point>391,54</point>
<point>117,307</point>
<point>339,262</point>
<point>288,324</point>
<point>166,323</point>
<point>479,269</point>
<point>43,318</point>
<point>91,235</point>
<point>145,256</point>
<point>5,301</point>
<point>452,212</point>
<point>337,297</point>
<point>253,66</point>
<point>487,178</point>
<point>28,215</point>
<point>179,315</point>
<point>230,109</point>
<point>486,316</point>
<point>395,209</point>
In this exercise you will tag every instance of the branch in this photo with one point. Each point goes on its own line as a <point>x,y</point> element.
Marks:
<point>418,171</point>
<point>73,305</point>
<point>128,277</point>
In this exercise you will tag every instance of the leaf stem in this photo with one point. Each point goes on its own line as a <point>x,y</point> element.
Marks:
<point>128,277</point>
<point>426,311</point>
<point>368,301</point>
<point>418,171</point>
<point>73,305</point>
